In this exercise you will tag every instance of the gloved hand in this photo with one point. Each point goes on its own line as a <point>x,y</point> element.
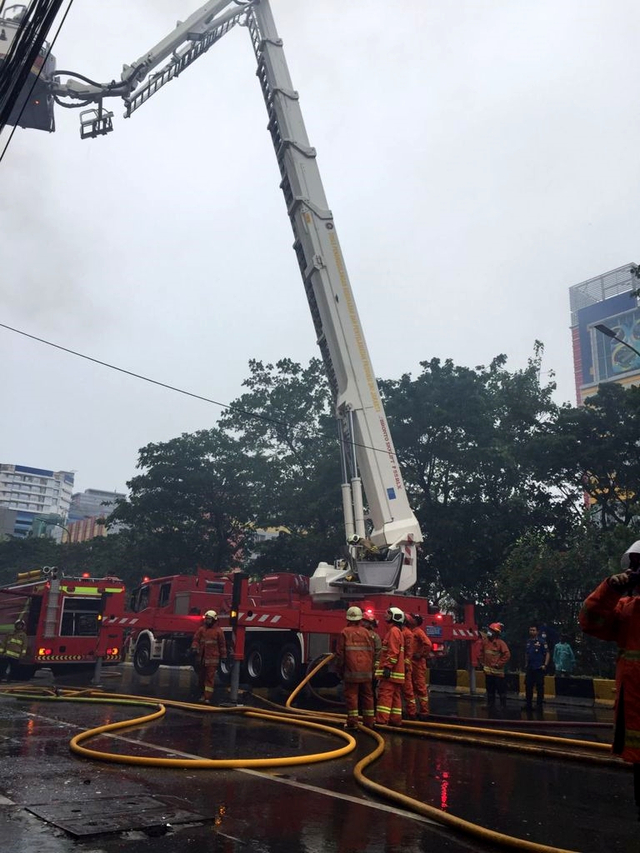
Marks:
<point>386,672</point>
<point>620,581</point>
<point>192,653</point>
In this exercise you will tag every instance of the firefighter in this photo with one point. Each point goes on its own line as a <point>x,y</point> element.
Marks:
<point>494,654</point>
<point>355,655</point>
<point>422,651</point>
<point>14,648</point>
<point>371,623</point>
<point>207,648</point>
<point>612,612</point>
<point>390,671</point>
<point>407,686</point>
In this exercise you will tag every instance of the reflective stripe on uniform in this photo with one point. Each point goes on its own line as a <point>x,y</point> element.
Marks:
<point>629,654</point>
<point>631,739</point>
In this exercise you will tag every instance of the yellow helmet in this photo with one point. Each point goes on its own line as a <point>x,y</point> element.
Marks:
<point>211,614</point>
<point>354,614</point>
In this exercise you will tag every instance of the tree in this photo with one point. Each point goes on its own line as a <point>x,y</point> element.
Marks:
<point>193,505</point>
<point>285,423</point>
<point>594,450</point>
<point>545,580</point>
<point>464,438</point>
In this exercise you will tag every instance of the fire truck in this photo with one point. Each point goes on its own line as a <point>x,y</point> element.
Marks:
<point>286,620</point>
<point>71,622</point>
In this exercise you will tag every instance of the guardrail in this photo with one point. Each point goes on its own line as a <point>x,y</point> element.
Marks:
<point>572,690</point>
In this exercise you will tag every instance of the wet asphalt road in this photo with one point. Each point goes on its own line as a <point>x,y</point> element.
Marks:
<point>307,808</point>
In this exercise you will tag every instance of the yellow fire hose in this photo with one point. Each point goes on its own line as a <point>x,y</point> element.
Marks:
<point>312,720</point>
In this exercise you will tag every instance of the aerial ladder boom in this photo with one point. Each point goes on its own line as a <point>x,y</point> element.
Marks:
<point>384,556</point>
<point>367,446</point>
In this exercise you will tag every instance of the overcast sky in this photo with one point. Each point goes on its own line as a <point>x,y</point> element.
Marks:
<point>479,158</point>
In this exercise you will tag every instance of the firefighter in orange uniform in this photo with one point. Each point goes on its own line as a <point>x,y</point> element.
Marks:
<point>407,687</point>
<point>207,648</point>
<point>494,655</point>
<point>390,671</point>
<point>355,655</point>
<point>371,623</point>
<point>422,651</point>
<point>612,612</point>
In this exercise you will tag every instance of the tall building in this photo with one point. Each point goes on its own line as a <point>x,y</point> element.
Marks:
<point>87,510</point>
<point>31,492</point>
<point>93,503</point>
<point>606,299</point>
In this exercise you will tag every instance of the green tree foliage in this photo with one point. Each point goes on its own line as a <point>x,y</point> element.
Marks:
<point>101,557</point>
<point>285,423</point>
<point>595,450</point>
<point>464,437</point>
<point>545,580</point>
<point>192,505</point>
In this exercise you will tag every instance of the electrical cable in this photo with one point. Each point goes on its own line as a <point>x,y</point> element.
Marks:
<point>37,77</point>
<point>230,407</point>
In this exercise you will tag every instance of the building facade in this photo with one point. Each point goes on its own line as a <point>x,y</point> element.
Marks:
<point>32,492</point>
<point>87,512</point>
<point>605,300</point>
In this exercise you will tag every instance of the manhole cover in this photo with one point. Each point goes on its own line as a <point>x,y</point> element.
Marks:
<point>116,814</point>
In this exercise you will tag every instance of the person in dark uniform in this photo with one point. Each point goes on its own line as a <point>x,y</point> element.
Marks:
<point>536,663</point>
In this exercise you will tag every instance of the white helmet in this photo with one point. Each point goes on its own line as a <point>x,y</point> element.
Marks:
<point>354,614</point>
<point>394,614</point>
<point>211,614</point>
<point>632,549</point>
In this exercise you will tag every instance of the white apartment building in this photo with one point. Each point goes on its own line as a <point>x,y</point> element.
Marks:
<point>31,492</point>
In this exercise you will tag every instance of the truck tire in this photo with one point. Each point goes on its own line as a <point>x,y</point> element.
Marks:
<point>289,661</point>
<point>259,665</point>
<point>142,658</point>
<point>224,673</point>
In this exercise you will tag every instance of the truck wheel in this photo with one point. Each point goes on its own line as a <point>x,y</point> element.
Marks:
<point>289,661</point>
<point>224,673</point>
<point>142,658</point>
<point>259,665</point>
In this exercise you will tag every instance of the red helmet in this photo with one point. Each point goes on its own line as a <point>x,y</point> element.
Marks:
<point>496,627</point>
<point>409,620</point>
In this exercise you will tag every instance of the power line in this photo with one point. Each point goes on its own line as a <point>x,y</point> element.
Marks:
<point>230,407</point>
<point>146,378</point>
<point>47,22</point>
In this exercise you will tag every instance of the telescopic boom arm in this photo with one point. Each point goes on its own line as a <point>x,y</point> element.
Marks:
<point>368,456</point>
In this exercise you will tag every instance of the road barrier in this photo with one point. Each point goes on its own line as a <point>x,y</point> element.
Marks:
<point>572,690</point>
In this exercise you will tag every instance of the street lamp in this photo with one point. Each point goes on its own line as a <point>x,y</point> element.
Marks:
<point>611,334</point>
<point>48,523</point>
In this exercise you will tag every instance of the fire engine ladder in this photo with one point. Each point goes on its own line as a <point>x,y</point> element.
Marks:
<point>53,607</point>
<point>281,145</point>
<point>200,44</point>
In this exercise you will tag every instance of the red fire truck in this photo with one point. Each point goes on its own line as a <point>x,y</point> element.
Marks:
<point>70,622</point>
<point>287,620</point>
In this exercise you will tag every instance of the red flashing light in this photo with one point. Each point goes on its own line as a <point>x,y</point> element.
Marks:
<point>113,651</point>
<point>439,617</point>
<point>42,652</point>
<point>86,575</point>
<point>146,579</point>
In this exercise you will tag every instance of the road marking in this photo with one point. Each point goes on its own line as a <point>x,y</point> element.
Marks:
<point>262,775</point>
